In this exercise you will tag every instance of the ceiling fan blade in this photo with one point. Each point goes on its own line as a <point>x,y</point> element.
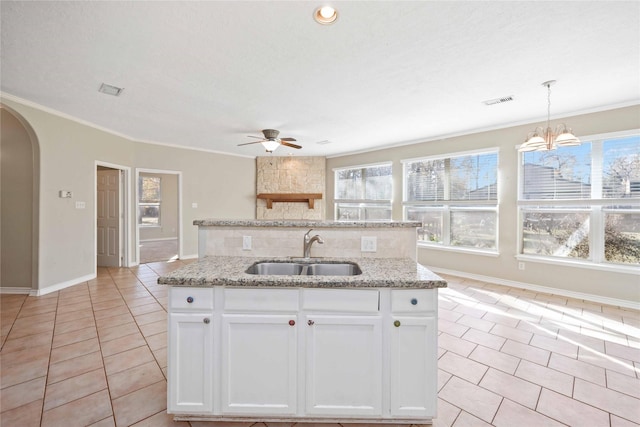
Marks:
<point>288,139</point>
<point>253,142</point>
<point>251,136</point>
<point>288,144</point>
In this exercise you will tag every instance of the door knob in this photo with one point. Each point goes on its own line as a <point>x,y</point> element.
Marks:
<point>206,320</point>
<point>310,322</point>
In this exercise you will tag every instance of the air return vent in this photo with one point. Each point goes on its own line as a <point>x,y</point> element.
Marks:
<point>498,100</point>
<point>110,90</point>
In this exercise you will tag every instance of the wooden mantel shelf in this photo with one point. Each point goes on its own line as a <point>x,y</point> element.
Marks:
<point>290,197</point>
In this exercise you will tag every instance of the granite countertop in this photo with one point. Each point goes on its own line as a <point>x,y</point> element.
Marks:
<point>376,273</point>
<point>305,224</point>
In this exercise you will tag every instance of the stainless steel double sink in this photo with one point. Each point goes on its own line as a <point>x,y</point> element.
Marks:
<point>305,269</point>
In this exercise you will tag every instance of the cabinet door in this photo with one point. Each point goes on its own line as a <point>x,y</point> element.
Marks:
<point>190,363</point>
<point>343,365</point>
<point>259,364</point>
<point>413,366</point>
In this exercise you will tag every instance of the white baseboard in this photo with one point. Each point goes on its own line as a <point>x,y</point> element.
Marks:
<point>158,240</point>
<point>14,290</point>
<point>61,285</point>
<point>545,289</point>
<point>192,256</point>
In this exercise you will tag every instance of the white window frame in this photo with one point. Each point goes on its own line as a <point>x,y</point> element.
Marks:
<point>362,203</point>
<point>446,207</point>
<point>595,207</point>
<point>158,204</point>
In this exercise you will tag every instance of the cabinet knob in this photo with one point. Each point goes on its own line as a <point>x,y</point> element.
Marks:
<point>189,300</point>
<point>292,322</point>
<point>414,301</point>
<point>310,322</point>
<point>206,320</point>
<point>396,323</point>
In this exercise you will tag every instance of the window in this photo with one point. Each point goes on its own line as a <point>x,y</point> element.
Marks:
<point>582,203</point>
<point>363,193</point>
<point>456,199</point>
<point>149,201</point>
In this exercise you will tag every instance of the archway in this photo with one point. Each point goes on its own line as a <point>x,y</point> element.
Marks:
<point>19,204</point>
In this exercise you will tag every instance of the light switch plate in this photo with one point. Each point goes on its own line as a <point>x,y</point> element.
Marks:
<point>368,244</point>
<point>81,205</point>
<point>246,243</point>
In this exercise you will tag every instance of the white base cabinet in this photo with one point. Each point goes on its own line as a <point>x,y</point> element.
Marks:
<point>277,354</point>
<point>259,364</point>
<point>343,365</point>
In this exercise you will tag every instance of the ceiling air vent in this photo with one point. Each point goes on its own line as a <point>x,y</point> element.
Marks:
<point>110,90</point>
<point>498,100</point>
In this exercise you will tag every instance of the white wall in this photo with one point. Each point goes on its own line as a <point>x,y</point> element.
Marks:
<point>623,286</point>
<point>68,152</point>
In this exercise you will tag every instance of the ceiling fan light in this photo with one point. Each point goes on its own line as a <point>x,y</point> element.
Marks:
<point>271,145</point>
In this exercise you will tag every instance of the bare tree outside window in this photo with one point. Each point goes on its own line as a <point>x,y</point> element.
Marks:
<point>456,199</point>
<point>364,193</point>
<point>602,179</point>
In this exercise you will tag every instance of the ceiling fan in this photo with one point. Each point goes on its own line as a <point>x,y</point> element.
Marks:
<point>271,140</point>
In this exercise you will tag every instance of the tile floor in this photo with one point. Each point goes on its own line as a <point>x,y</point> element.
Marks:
<point>95,354</point>
<point>158,250</point>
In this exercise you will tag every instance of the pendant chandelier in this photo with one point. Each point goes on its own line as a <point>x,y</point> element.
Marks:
<point>547,139</point>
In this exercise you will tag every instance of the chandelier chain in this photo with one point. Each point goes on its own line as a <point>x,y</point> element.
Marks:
<point>548,104</point>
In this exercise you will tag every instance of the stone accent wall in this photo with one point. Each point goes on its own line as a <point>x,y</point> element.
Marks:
<point>290,175</point>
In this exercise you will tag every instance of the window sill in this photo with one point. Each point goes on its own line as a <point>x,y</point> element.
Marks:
<point>614,268</point>
<point>482,252</point>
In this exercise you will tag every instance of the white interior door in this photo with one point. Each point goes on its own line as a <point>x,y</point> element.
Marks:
<point>108,218</point>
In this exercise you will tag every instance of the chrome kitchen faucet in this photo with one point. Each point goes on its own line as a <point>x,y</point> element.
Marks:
<point>308,241</point>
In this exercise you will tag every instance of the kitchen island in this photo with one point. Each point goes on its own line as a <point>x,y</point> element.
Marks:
<point>357,348</point>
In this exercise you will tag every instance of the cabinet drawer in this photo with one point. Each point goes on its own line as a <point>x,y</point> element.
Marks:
<point>263,300</point>
<point>341,300</point>
<point>413,300</point>
<point>201,299</point>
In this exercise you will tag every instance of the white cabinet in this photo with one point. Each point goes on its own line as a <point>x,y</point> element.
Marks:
<point>412,353</point>
<point>268,354</point>
<point>343,365</point>
<point>413,367</point>
<point>190,371</point>
<point>259,364</point>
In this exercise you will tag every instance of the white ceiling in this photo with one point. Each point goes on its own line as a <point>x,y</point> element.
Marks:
<point>207,74</point>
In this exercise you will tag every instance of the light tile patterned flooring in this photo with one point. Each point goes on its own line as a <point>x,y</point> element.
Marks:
<point>95,354</point>
<point>158,250</point>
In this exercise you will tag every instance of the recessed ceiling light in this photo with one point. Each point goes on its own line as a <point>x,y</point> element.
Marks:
<point>325,15</point>
<point>110,90</point>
